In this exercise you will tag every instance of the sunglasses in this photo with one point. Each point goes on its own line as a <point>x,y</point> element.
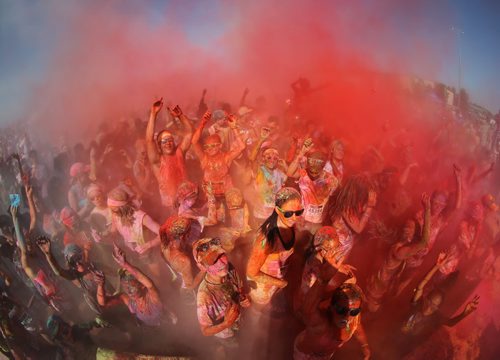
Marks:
<point>205,246</point>
<point>289,214</point>
<point>270,157</point>
<point>211,146</point>
<point>346,311</point>
<point>315,162</point>
<point>166,140</point>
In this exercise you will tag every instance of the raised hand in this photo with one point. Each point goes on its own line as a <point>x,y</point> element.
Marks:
<point>232,120</point>
<point>472,305</point>
<point>119,255</point>
<point>426,200</point>
<point>306,146</point>
<point>43,242</point>
<point>99,277</point>
<point>157,105</point>
<point>13,211</point>
<point>175,111</point>
<point>372,198</point>
<point>441,259</point>
<point>206,118</point>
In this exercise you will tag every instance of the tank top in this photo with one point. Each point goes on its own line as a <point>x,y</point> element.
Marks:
<point>134,234</point>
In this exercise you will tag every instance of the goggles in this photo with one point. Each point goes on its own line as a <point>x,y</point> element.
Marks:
<point>207,245</point>
<point>344,311</point>
<point>211,146</point>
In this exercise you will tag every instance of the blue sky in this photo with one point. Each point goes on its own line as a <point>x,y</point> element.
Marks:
<point>29,35</point>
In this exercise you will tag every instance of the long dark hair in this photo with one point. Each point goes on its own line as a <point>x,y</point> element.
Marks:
<point>270,226</point>
<point>349,197</point>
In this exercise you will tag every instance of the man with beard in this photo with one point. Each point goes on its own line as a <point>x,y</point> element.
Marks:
<point>166,158</point>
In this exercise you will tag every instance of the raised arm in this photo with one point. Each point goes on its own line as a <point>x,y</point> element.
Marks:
<point>420,288</point>
<point>459,185</point>
<point>44,245</point>
<point>406,172</point>
<point>119,257</point>
<point>31,205</point>
<point>294,165</point>
<point>176,112</point>
<point>264,135</point>
<point>102,298</point>
<point>257,259</point>
<point>195,141</point>
<point>93,164</point>
<point>202,106</point>
<point>240,144</point>
<point>153,155</point>
<point>21,243</point>
<point>244,97</point>
<point>359,224</point>
<point>409,250</point>
<point>469,309</point>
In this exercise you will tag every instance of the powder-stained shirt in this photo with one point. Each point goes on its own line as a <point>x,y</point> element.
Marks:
<point>213,300</point>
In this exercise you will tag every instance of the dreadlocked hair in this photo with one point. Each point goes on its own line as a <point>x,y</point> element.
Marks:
<point>270,226</point>
<point>348,198</point>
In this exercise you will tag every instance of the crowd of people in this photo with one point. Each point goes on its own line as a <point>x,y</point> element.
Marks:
<point>243,233</point>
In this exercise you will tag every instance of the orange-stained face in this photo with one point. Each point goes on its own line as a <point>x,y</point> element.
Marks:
<point>212,148</point>
<point>167,143</point>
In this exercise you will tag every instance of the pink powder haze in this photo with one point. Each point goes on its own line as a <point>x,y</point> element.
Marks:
<point>113,58</point>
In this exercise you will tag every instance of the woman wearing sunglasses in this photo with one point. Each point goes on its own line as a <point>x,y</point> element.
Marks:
<point>329,329</point>
<point>273,246</point>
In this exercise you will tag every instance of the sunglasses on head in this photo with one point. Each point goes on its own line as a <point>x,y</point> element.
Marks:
<point>289,214</point>
<point>346,311</point>
<point>205,246</point>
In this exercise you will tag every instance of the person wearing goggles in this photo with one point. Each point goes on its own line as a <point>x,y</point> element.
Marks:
<point>329,329</point>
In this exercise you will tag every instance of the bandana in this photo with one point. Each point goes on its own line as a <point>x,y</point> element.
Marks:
<point>285,194</point>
